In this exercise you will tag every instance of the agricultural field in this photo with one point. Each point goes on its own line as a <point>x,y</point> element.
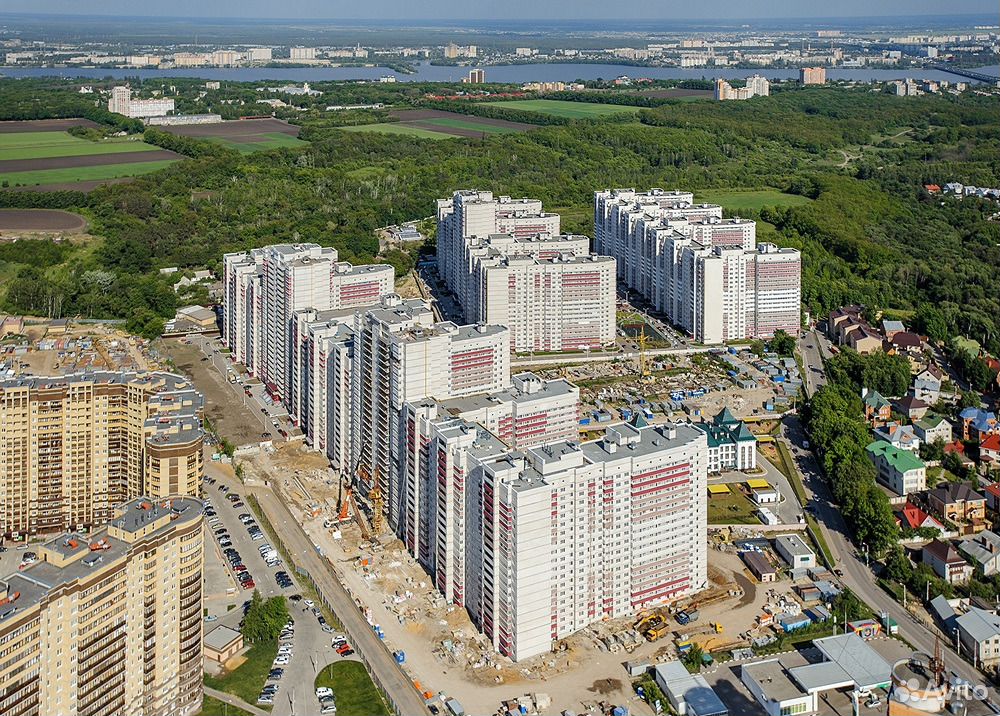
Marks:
<point>245,135</point>
<point>397,128</point>
<point>570,110</point>
<point>738,199</point>
<point>438,124</point>
<point>42,159</point>
<point>40,220</point>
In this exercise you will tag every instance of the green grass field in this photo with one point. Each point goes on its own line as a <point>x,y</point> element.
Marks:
<point>247,681</point>
<point>353,689</point>
<point>275,140</point>
<point>71,174</point>
<point>570,110</point>
<point>733,509</point>
<point>45,145</point>
<point>448,122</point>
<point>736,199</point>
<point>397,128</point>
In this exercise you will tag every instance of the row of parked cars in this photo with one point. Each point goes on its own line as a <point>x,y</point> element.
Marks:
<point>225,541</point>
<point>281,660</point>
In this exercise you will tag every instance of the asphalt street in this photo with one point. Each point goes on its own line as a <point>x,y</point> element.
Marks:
<point>312,649</point>
<point>857,575</point>
<point>379,661</point>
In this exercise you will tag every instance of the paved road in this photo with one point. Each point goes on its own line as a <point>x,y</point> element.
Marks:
<point>812,349</point>
<point>857,575</point>
<point>602,357</point>
<point>312,648</point>
<point>380,662</point>
<point>233,701</point>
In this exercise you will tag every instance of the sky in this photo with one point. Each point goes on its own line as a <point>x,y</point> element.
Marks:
<point>507,9</point>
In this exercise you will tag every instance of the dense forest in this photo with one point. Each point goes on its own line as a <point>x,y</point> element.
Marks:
<point>871,233</point>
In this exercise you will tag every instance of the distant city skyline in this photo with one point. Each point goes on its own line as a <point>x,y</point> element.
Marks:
<point>514,9</point>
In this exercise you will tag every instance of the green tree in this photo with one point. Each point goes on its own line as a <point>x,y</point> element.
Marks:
<point>264,620</point>
<point>782,343</point>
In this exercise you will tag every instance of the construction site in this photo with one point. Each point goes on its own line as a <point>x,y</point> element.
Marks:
<point>445,655</point>
<point>58,347</point>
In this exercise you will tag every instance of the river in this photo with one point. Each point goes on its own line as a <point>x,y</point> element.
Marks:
<point>543,72</point>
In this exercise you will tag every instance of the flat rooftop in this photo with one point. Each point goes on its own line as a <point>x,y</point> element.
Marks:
<point>37,580</point>
<point>773,679</point>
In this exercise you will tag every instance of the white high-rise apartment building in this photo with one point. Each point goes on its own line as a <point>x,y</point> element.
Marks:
<point>401,355</point>
<point>263,289</point>
<point>704,272</point>
<point>302,53</point>
<point>121,102</point>
<point>506,266</point>
<point>259,54</point>
<point>756,86</point>
<point>542,542</point>
<point>532,412</point>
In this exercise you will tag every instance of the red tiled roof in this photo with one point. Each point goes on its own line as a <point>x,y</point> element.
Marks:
<point>955,446</point>
<point>913,515</point>
<point>992,442</point>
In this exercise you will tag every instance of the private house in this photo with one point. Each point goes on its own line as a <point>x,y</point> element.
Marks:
<point>864,340</point>
<point>992,493</point>
<point>983,552</point>
<point>979,633</point>
<point>904,343</point>
<point>931,428</point>
<point>891,328</point>
<point>959,503</point>
<point>947,563</point>
<point>838,318</point>
<point>903,437</point>
<point>977,424</point>
<point>989,449</point>
<point>914,517</point>
<point>899,470</point>
<point>927,384</point>
<point>878,410</point>
<point>912,408</point>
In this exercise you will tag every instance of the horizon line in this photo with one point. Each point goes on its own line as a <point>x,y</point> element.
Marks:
<point>452,19</point>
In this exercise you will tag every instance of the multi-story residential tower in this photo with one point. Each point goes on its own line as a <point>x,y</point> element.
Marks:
<point>544,541</point>
<point>121,102</point>
<point>532,412</point>
<point>264,288</point>
<point>704,272</point>
<point>470,214</point>
<point>109,622</point>
<point>506,266</point>
<point>401,355</point>
<point>72,447</point>
<point>812,75</point>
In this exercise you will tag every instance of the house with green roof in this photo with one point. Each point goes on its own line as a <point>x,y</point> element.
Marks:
<point>878,410</point>
<point>731,445</point>
<point>899,470</point>
<point>931,428</point>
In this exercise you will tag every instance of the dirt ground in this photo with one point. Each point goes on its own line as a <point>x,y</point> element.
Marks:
<point>40,220</point>
<point>243,130</point>
<point>444,651</point>
<point>50,353</point>
<point>45,125</point>
<point>223,405</point>
<point>90,160</point>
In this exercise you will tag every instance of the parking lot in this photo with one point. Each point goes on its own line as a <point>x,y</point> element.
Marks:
<point>311,644</point>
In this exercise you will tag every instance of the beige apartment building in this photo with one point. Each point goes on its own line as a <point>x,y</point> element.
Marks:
<point>73,447</point>
<point>111,622</point>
